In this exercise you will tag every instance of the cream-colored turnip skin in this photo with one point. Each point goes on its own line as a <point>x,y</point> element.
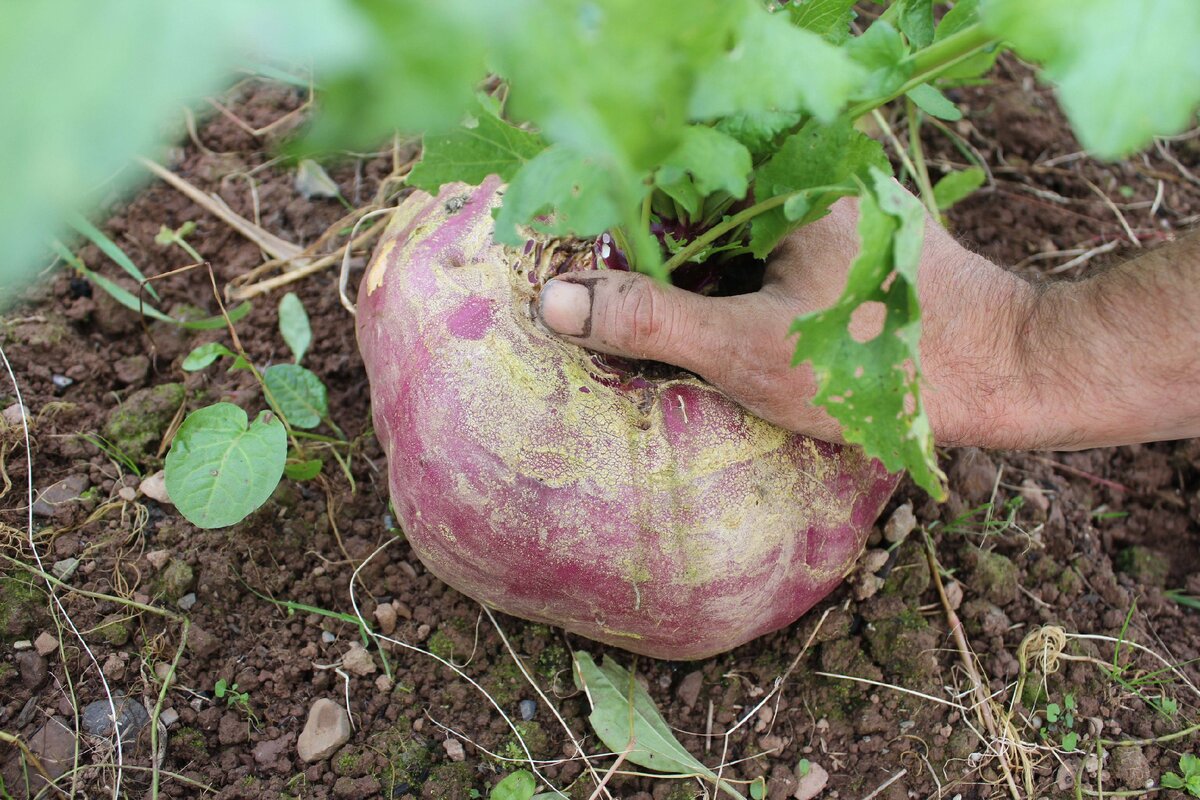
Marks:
<point>663,518</point>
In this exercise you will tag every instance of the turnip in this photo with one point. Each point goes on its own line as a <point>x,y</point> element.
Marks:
<point>647,512</point>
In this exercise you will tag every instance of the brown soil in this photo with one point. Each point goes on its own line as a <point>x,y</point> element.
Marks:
<point>1049,544</point>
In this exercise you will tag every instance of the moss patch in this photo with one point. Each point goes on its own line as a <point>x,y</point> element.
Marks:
<point>176,580</point>
<point>903,646</point>
<point>137,425</point>
<point>504,682</point>
<point>1144,565</point>
<point>114,629</point>
<point>995,577</point>
<point>407,759</point>
<point>441,645</point>
<point>449,782</point>
<point>22,608</point>
<point>910,576</point>
<point>188,744</point>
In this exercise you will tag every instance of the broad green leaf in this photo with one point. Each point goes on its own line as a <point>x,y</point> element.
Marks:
<point>881,53</point>
<point>1070,741</point>
<point>934,103</point>
<point>482,146</point>
<point>1190,764</point>
<point>816,156</point>
<point>1125,71</point>
<point>297,394</point>
<point>916,21</point>
<point>220,468</point>
<point>204,355</point>
<point>517,786</point>
<point>758,131</point>
<point>806,73</point>
<point>707,160</point>
<point>865,386</point>
<point>303,470</point>
<point>955,186</point>
<point>585,197</point>
<point>1172,781</point>
<point>293,325</point>
<point>621,710</point>
<point>828,18</point>
<point>110,249</point>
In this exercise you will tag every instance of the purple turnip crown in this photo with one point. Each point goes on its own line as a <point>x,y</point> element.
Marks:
<point>653,514</point>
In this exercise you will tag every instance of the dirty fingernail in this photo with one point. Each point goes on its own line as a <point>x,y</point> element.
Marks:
<point>566,308</point>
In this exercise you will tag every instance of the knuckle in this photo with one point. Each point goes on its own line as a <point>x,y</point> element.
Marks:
<point>643,321</point>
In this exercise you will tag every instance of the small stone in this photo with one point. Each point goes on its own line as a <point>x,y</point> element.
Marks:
<point>59,494</point>
<point>158,558</point>
<point>527,709</point>
<point>900,524</point>
<point>97,717</point>
<point>162,670</point>
<point>34,669</point>
<point>54,745</point>
<point>327,637</point>
<point>155,487</point>
<point>454,749</point>
<point>127,493</point>
<point>187,601</point>
<point>175,581</point>
<point>358,661</point>
<point>64,569</point>
<point>1034,495</point>
<point>384,684</point>
<point>168,717</point>
<point>201,643</point>
<point>22,644</point>
<point>60,381</point>
<point>689,688</point>
<point>873,560</point>
<point>132,369</point>
<point>385,615</point>
<point>1065,778</point>
<point>423,632</point>
<point>327,729</point>
<point>402,610</point>
<point>15,413</point>
<point>954,594</point>
<point>811,784</point>
<point>114,667</point>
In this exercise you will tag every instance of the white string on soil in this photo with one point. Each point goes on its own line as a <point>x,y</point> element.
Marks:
<point>112,706</point>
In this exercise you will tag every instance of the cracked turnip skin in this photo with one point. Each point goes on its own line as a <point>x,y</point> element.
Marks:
<point>654,515</point>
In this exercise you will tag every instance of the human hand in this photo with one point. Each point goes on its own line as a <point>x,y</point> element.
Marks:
<point>972,313</point>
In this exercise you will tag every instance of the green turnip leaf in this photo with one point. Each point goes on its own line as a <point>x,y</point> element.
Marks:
<point>806,73</point>
<point>706,161</point>
<point>827,18</point>
<point>916,21</point>
<point>957,185</point>
<point>517,786</point>
<point>220,468</point>
<point>934,103</point>
<point>1125,72</point>
<point>868,386</point>
<point>471,152</point>
<point>816,156</point>
<point>297,394</point>
<point>881,53</point>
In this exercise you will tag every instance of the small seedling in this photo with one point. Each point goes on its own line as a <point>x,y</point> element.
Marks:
<point>1189,781</point>
<point>1060,721</point>
<point>804,767</point>
<point>234,699</point>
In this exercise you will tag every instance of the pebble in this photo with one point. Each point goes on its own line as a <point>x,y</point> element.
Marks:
<point>385,615</point>
<point>158,558</point>
<point>60,381</point>
<point>64,569</point>
<point>954,594</point>
<point>689,687</point>
<point>358,661</point>
<point>187,601</point>
<point>327,637</point>
<point>423,632</point>
<point>155,487</point>
<point>114,668</point>
<point>873,560</point>
<point>131,717</point>
<point>812,784</point>
<point>384,684</point>
<point>900,524</point>
<point>528,709</point>
<point>127,493</point>
<point>60,493</point>
<point>402,609</point>
<point>327,729</point>
<point>1034,495</point>
<point>14,413</point>
<point>162,670</point>
<point>168,717</point>
<point>22,644</point>
<point>54,745</point>
<point>34,670</point>
<point>454,749</point>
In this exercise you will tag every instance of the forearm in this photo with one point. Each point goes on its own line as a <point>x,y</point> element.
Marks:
<point>1112,359</point>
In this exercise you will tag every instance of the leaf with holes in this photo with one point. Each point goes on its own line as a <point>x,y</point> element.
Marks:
<point>220,468</point>
<point>297,394</point>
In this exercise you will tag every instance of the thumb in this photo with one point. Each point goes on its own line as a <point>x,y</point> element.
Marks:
<point>632,315</point>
